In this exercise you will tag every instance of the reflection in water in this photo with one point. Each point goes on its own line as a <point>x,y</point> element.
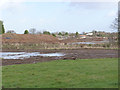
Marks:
<point>84,43</point>
<point>93,42</point>
<point>22,55</point>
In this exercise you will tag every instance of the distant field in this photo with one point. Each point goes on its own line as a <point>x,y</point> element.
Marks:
<point>12,41</point>
<point>81,73</point>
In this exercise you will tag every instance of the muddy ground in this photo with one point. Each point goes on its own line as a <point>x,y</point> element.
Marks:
<point>69,55</point>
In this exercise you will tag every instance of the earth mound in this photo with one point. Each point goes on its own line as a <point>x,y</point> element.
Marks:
<point>28,38</point>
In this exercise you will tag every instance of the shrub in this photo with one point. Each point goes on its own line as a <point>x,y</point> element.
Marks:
<point>59,33</point>
<point>26,32</point>
<point>103,45</point>
<point>89,44</point>
<point>46,32</point>
<point>66,33</point>
<point>3,30</point>
<point>77,33</point>
<point>54,35</point>
<point>108,45</point>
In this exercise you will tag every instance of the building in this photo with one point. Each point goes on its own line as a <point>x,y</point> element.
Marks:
<point>82,36</point>
<point>89,34</point>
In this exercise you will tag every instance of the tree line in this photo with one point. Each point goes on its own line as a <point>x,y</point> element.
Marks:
<point>33,30</point>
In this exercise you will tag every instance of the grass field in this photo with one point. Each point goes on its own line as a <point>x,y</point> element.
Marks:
<point>81,73</point>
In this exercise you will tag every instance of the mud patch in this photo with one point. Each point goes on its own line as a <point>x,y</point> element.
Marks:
<point>73,54</point>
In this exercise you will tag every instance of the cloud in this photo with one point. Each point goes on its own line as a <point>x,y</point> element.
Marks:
<point>11,7</point>
<point>2,5</point>
<point>8,4</point>
<point>4,2</point>
<point>94,5</point>
<point>112,14</point>
<point>94,0</point>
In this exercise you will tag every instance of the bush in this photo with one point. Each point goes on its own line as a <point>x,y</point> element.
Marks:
<point>89,44</point>
<point>59,33</point>
<point>103,45</point>
<point>54,35</point>
<point>66,33</point>
<point>77,33</point>
<point>108,45</point>
<point>46,32</point>
<point>26,32</point>
<point>3,30</point>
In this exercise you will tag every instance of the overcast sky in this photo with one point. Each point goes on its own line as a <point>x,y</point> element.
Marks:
<point>59,16</point>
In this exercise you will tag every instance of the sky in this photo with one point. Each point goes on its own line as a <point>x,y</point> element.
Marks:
<point>59,16</point>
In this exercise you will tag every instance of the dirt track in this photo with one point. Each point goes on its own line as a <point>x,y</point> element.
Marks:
<point>70,54</point>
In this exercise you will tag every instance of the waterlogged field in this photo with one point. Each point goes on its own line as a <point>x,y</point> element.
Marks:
<point>23,55</point>
<point>80,73</point>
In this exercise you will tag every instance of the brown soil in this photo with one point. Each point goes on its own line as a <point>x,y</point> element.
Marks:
<point>70,55</point>
<point>42,38</point>
<point>28,38</point>
<point>69,40</point>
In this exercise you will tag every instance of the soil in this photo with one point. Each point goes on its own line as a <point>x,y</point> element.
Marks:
<point>73,54</point>
<point>10,38</point>
<point>28,38</point>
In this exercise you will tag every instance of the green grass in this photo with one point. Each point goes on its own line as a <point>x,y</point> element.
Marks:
<point>84,73</point>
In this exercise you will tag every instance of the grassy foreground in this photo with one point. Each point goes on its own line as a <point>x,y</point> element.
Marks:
<point>81,73</point>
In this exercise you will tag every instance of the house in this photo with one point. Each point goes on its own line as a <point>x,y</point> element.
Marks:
<point>89,34</point>
<point>82,36</point>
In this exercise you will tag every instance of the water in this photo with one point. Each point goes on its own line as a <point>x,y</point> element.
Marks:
<point>94,42</point>
<point>22,55</point>
<point>84,43</point>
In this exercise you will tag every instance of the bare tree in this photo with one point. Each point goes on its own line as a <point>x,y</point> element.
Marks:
<point>32,31</point>
<point>10,31</point>
<point>114,25</point>
<point>118,24</point>
<point>38,32</point>
<point>111,39</point>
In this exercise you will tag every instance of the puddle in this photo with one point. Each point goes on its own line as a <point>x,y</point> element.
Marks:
<point>22,55</point>
<point>84,43</point>
<point>94,42</point>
